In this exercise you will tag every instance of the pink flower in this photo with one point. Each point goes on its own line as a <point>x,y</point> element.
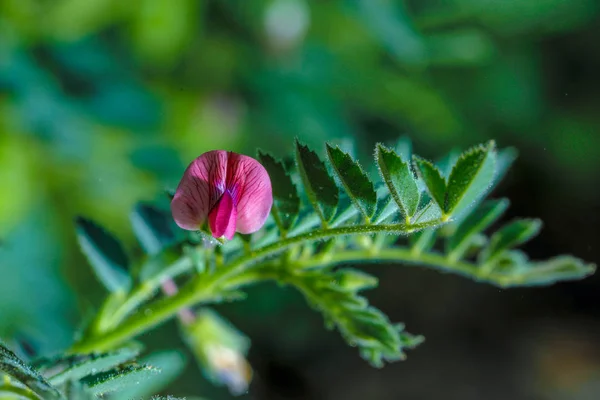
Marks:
<point>231,190</point>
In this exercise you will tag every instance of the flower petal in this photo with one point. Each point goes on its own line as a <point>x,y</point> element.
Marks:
<point>200,194</point>
<point>250,186</point>
<point>200,189</point>
<point>222,218</point>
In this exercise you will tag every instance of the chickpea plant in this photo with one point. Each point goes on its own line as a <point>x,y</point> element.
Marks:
<point>300,224</point>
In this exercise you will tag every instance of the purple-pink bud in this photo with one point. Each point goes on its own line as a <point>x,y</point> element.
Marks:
<point>231,190</point>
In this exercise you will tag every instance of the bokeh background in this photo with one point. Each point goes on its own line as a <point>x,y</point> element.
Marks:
<point>104,102</point>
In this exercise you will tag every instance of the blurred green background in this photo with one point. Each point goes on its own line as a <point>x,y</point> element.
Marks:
<point>104,102</point>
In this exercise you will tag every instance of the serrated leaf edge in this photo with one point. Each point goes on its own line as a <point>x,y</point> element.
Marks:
<point>347,189</point>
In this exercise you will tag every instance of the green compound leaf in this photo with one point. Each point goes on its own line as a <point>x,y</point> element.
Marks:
<point>16,368</point>
<point>557,269</point>
<point>399,179</point>
<point>105,254</point>
<point>470,179</point>
<point>154,228</point>
<point>308,258</point>
<point>119,379</point>
<point>85,365</point>
<point>286,204</point>
<point>354,180</point>
<point>360,324</point>
<point>319,185</point>
<point>510,235</point>
<point>477,221</point>
<point>433,179</point>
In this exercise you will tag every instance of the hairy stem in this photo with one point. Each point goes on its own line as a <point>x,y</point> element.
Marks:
<point>146,290</point>
<point>208,288</point>
<point>186,314</point>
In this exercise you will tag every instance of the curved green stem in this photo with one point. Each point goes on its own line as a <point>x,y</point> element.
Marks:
<point>206,288</point>
<point>145,291</point>
<point>17,392</point>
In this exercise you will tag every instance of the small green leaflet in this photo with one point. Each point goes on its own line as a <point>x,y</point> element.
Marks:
<point>407,341</point>
<point>561,268</point>
<point>369,328</point>
<point>512,259</point>
<point>471,178</point>
<point>105,254</point>
<point>433,179</point>
<point>171,363</point>
<point>153,227</point>
<point>119,379</point>
<point>399,179</point>
<point>429,212</point>
<point>510,235</point>
<point>13,366</point>
<point>286,201</point>
<point>354,180</point>
<point>319,185</point>
<point>354,280</point>
<point>93,364</point>
<point>477,221</point>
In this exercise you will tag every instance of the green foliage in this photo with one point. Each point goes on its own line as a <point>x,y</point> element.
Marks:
<point>80,367</point>
<point>399,179</point>
<point>471,175</point>
<point>103,101</point>
<point>354,180</point>
<point>319,185</point>
<point>538,273</point>
<point>118,379</point>
<point>479,220</point>
<point>470,178</point>
<point>171,365</point>
<point>286,203</point>
<point>433,179</point>
<point>16,368</point>
<point>335,295</point>
<point>430,221</point>
<point>354,280</point>
<point>510,235</point>
<point>82,376</point>
<point>105,254</point>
